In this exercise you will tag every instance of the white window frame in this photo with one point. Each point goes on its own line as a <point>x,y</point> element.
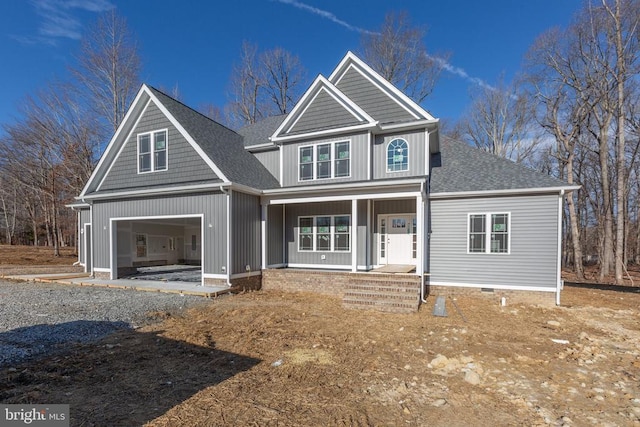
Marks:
<point>152,153</point>
<point>332,160</point>
<point>488,232</point>
<point>332,233</point>
<point>386,155</point>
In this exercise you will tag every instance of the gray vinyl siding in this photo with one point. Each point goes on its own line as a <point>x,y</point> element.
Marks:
<point>533,256</point>
<point>270,160</point>
<point>324,112</point>
<point>246,232</point>
<point>370,98</point>
<point>315,209</point>
<point>275,244</point>
<point>363,235</point>
<point>213,206</point>
<point>84,218</point>
<point>359,155</point>
<point>417,152</point>
<point>184,164</point>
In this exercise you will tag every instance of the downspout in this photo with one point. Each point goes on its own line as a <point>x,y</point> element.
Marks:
<point>78,238</point>
<point>92,273</point>
<point>226,193</point>
<point>424,236</point>
<point>559,278</point>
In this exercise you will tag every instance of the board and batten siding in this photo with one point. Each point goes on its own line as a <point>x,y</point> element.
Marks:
<point>417,152</point>
<point>246,232</point>
<point>184,164</point>
<point>315,258</point>
<point>370,98</point>
<point>323,112</point>
<point>212,206</point>
<point>270,160</point>
<point>275,230</point>
<point>358,153</point>
<point>533,257</point>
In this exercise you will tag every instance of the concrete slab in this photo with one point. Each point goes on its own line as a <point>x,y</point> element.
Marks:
<point>186,288</point>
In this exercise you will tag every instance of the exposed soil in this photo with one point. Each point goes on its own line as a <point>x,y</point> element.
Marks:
<point>268,358</point>
<point>12,255</point>
<point>271,358</point>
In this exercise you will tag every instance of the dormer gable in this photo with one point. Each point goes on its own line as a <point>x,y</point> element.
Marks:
<point>381,99</point>
<point>322,109</point>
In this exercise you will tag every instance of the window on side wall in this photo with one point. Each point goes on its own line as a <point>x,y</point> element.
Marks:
<point>489,233</point>
<point>397,155</point>
<point>152,151</point>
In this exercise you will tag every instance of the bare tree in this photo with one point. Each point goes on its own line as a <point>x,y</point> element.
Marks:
<point>263,84</point>
<point>108,68</point>
<point>398,52</point>
<point>501,121</point>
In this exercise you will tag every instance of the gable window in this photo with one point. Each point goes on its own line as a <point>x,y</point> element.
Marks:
<point>324,233</point>
<point>152,151</point>
<point>489,233</point>
<point>325,161</point>
<point>397,155</point>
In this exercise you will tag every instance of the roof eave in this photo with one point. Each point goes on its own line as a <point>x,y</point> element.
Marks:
<point>504,192</point>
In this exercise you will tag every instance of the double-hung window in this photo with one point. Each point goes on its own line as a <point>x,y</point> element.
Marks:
<point>152,151</point>
<point>489,233</point>
<point>324,233</point>
<point>324,161</point>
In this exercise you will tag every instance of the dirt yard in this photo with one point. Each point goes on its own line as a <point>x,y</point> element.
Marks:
<point>278,359</point>
<point>267,358</point>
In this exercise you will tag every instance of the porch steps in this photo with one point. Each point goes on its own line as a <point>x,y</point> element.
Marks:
<point>395,293</point>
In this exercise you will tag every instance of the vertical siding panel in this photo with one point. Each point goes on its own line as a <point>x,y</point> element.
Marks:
<point>246,232</point>
<point>274,235</point>
<point>534,246</point>
<point>417,145</point>
<point>324,113</point>
<point>270,160</point>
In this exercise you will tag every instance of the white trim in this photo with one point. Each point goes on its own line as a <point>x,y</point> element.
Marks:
<point>354,235</point>
<point>515,191</point>
<point>369,159</point>
<point>386,157</point>
<point>258,146</point>
<point>332,234</point>
<point>419,233</point>
<point>143,89</point>
<point>161,191</point>
<point>348,129</point>
<point>559,257</point>
<point>214,276</point>
<point>229,242</point>
<point>87,239</point>
<point>350,59</point>
<point>385,261</point>
<point>369,233</point>
<point>321,266</point>
<point>487,232</point>
<point>281,171</point>
<point>243,275</point>
<point>263,235</point>
<point>152,147</point>
<point>407,126</point>
<point>344,186</point>
<point>101,270</point>
<point>493,286</point>
<point>124,143</point>
<point>405,195</point>
<point>320,83</point>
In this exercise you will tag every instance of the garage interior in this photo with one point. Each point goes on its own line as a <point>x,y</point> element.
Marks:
<point>166,249</point>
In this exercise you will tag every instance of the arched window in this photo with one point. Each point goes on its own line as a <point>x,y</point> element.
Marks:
<point>397,155</point>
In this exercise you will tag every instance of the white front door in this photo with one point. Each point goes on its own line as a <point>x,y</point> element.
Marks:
<point>397,239</point>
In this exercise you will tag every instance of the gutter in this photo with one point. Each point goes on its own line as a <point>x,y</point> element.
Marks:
<point>512,191</point>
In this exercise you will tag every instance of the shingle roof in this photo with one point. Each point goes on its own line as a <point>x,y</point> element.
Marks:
<point>459,167</point>
<point>259,133</point>
<point>223,146</point>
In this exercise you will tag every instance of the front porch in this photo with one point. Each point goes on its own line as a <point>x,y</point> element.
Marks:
<point>392,292</point>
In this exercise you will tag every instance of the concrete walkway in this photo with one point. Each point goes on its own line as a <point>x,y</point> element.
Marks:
<point>83,279</point>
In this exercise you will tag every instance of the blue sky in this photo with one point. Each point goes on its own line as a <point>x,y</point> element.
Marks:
<point>194,44</point>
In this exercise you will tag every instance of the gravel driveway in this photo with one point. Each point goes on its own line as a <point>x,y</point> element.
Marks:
<point>37,319</point>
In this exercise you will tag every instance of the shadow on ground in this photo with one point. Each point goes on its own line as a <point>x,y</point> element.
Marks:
<point>605,287</point>
<point>128,378</point>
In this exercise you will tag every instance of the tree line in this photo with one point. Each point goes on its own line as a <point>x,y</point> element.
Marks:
<point>572,112</point>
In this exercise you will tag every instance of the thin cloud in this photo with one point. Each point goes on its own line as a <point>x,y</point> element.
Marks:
<point>327,15</point>
<point>330,16</point>
<point>59,21</point>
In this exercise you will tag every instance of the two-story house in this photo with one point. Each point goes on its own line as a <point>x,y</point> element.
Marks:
<point>353,183</point>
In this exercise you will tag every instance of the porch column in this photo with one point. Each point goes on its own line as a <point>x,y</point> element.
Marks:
<point>263,237</point>
<point>354,235</point>
<point>419,235</point>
